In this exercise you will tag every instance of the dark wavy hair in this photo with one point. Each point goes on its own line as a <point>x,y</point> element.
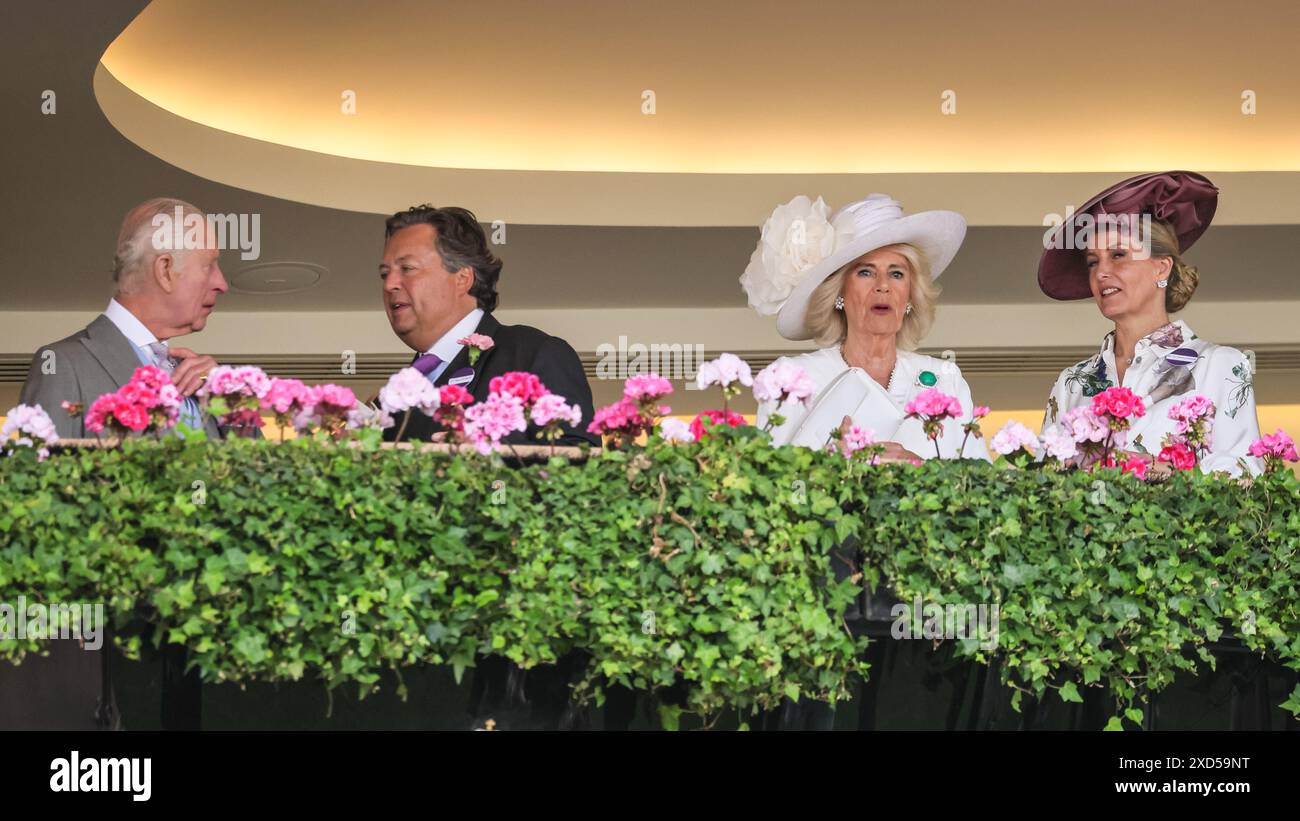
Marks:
<point>460,242</point>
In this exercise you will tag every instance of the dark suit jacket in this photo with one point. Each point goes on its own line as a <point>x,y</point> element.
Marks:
<point>516,348</point>
<point>94,361</point>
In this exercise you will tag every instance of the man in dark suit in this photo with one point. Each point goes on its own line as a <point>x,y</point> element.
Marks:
<point>440,285</point>
<point>159,292</point>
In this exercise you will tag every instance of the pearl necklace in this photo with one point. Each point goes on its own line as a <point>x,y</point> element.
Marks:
<point>889,388</point>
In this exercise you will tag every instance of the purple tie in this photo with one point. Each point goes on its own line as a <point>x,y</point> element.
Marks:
<point>426,363</point>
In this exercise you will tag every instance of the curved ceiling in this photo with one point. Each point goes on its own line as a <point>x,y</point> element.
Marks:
<point>485,100</point>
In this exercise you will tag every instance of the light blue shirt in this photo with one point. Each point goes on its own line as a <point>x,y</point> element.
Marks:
<point>141,338</point>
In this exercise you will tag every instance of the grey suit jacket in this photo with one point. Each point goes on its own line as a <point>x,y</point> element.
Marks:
<point>71,689</point>
<point>96,360</point>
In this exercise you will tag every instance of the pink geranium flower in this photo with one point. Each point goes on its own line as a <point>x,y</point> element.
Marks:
<point>1135,465</point>
<point>783,382</point>
<point>1179,455</point>
<point>714,418</point>
<point>1118,404</point>
<point>1275,449</point>
<point>649,387</point>
<point>490,421</point>
<point>328,408</point>
<point>623,421</point>
<point>523,385</point>
<point>675,430</point>
<point>32,427</point>
<point>932,406</point>
<point>1013,437</point>
<point>451,410</point>
<point>408,389</point>
<point>935,404</point>
<point>552,408</point>
<point>149,399</point>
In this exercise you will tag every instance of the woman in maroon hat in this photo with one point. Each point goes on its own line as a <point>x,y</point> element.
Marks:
<point>1123,249</point>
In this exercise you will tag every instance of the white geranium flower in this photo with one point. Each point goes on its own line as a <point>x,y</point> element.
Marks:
<point>796,237</point>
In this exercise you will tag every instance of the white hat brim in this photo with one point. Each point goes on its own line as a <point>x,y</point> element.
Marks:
<point>939,235</point>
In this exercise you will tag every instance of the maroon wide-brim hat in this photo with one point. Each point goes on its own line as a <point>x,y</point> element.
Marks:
<point>1184,199</point>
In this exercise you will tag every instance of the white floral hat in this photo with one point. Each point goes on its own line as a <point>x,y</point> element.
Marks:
<point>801,245</point>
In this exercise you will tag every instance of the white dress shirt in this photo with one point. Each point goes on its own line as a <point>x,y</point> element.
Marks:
<point>133,329</point>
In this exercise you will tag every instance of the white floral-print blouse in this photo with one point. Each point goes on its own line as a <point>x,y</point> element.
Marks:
<point>1170,364</point>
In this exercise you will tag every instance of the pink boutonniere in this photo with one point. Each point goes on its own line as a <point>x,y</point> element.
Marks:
<point>477,344</point>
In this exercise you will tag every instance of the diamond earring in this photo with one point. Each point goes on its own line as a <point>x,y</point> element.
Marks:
<point>839,303</point>
<point>908,310</point>
<point>1162,283</point>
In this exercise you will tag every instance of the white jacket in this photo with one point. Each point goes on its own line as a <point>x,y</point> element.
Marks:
<point>883,412</point>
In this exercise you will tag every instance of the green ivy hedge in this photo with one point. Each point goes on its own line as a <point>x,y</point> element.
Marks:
<point>705,567</point>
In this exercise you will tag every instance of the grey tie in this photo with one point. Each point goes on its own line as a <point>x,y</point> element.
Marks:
<point>161,356</point>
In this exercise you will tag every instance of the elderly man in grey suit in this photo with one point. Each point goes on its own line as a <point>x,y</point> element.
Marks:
<point>160,292</point>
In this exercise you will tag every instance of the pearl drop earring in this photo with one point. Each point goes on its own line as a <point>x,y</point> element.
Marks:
<point>839,303</point>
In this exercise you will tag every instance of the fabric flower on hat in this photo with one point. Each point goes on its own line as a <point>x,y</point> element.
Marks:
<point>797,236</point>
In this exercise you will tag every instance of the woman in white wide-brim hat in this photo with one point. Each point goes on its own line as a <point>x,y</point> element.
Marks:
<point>860,282</point>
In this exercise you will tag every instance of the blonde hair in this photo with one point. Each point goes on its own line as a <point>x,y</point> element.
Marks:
<point>829,325</point>
<point>1183,278</point>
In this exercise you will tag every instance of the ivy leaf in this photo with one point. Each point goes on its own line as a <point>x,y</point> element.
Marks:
<point>1070,693</point>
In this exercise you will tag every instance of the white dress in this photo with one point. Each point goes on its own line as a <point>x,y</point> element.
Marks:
<point>1169,365</point>
<point>883,409</point>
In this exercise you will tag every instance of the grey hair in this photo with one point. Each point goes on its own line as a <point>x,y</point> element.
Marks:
<point>135,247</point>
<point>830,327</point>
